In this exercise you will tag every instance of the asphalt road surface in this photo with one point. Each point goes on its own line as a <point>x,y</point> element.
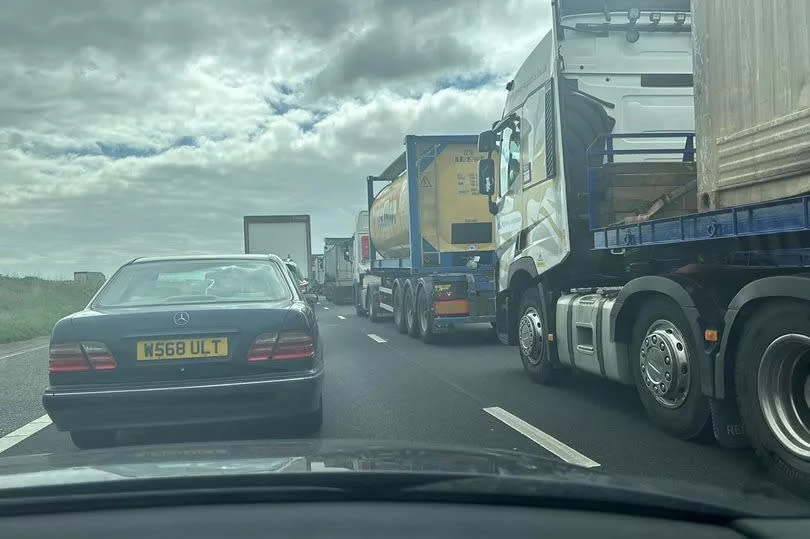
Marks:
<point>466,390</point>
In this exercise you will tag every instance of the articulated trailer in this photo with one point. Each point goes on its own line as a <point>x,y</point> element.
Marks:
<point>653,214</point>
<point>431,249</point>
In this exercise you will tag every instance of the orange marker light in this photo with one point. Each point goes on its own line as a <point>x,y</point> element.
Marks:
<point>711,335</point>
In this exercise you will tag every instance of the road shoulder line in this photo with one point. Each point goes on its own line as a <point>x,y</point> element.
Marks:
<point>546,441</point>
<point>13,438</point>
<point>26,351</point>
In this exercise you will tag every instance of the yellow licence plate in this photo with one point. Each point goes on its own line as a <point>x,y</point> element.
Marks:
<point>182,348</point>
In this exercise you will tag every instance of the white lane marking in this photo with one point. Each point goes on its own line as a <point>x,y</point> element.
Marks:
<point>13,438</point>
<point>548,442</point>
<point>21,352</point>
<point>341,317</point>
<point>377,338</point>
<point>326,308</point>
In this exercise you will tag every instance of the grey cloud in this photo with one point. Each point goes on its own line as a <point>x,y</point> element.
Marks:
<point>136,78</point>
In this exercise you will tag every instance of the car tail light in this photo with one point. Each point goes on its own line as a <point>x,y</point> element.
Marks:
<point>262,348</point>
<point>294,345</point>
<point>67,358</point>
<point>80,357</point>
<point>99,356</point>
<point>288,345</point>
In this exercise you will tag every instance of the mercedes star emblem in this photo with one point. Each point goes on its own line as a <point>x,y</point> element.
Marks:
<point>181,318</point>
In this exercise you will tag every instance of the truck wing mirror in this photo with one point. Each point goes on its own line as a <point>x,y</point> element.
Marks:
<point>486,176</point>
<point>486,141</point>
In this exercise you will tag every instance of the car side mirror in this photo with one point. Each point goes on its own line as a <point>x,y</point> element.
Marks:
<point>486,176</point>
<point>312,299</point>
<point>487,141</point>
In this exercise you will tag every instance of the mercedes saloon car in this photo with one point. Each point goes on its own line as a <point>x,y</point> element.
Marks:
<point>185,341</point>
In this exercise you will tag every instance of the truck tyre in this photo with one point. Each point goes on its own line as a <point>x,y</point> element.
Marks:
<point>373,306</point>
<point>409,307</point>
<point>424,314</point>
<point>358,308</point>
<point>532,344</point>
<point>92,439</point>
<point>772,382</point>
<point>666,370</point>
<point>399,310</point>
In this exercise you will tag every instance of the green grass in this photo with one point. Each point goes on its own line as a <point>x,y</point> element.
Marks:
<point>29,306</point>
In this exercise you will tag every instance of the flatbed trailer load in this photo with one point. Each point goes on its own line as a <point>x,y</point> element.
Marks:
<point>431,249</point>
<point>621,255</point>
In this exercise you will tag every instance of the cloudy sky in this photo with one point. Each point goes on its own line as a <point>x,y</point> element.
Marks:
<point>132,128</point>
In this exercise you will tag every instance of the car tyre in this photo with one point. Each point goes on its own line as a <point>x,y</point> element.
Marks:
<point>754,368</point>
<point>675,404</point>
<point>92,439</point>
<point>311,423</point>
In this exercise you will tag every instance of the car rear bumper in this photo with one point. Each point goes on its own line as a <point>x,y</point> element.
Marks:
<point>113,407</point>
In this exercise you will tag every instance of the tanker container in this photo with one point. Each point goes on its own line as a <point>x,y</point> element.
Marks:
<point>431,250</point>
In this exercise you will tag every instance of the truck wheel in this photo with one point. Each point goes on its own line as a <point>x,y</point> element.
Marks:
<point>411,323</point>
<point>534,352</point>
<point>92,439</point>
<point>373,306</point>
<point>399,311</point>
<point>424,312</point>
<point>772,381</point>
<point>665,368</point>
<point>358,308</point>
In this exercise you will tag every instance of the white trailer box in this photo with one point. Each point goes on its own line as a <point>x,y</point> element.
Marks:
<point>281,235</point>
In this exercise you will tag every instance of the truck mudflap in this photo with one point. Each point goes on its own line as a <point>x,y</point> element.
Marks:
<point>726,423</point>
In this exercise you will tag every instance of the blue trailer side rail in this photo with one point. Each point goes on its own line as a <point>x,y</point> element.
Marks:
<point>773,217</point>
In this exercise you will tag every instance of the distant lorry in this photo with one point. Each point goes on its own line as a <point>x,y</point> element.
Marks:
<point>431,247</point>
<point>361,262</point>
<point>623,255</point>
<point>338,270</point>
<point>317,273</point>
<point>286,236</point>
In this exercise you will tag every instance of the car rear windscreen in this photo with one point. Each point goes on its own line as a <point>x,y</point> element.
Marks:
<point>194,281</point>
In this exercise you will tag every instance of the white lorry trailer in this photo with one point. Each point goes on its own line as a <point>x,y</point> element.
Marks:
<point>642,246</point>
<point>338,270</point>
<point>286,236</point>
<point>360,259</point>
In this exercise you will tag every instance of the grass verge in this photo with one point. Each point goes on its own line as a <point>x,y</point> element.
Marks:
<point>30,306</point>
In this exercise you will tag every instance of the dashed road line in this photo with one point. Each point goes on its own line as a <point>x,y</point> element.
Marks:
<point>377,338</point>
<point>546,441</point>
<point>341,317</point>
<point>326,308</point>
<point>13,438</point>
<point>21,352</point>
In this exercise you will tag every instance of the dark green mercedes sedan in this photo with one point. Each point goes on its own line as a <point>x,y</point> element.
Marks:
<point>184,341</point>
